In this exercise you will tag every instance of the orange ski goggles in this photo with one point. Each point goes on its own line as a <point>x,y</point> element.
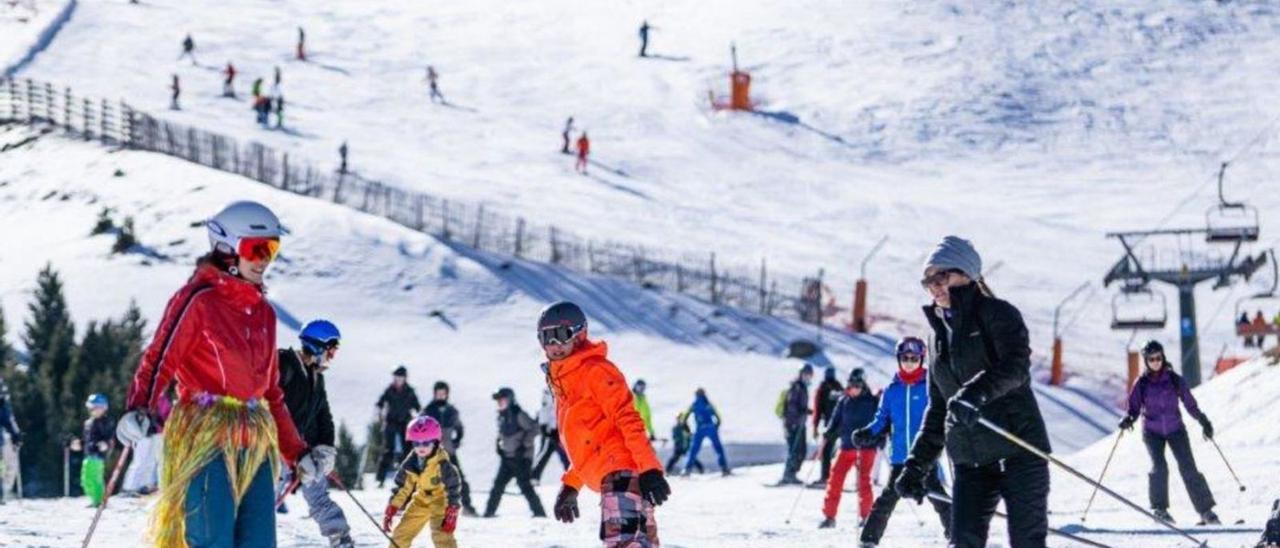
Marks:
<point>259,249</point>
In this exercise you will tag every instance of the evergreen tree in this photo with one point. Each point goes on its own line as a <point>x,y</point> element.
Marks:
<point>348,457</point>
<point>373,446</point>
<point>49,314</point>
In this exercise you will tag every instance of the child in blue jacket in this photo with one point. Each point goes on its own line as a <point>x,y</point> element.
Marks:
<point>902,410</point>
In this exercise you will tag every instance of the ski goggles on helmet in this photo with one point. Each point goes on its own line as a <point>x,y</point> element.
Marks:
<point>427,443</point>
<point>558,334</point>
<point>258,249</point>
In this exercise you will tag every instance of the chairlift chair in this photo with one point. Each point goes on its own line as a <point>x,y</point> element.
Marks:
<point>1136,309</point>
<point>1231,221</point>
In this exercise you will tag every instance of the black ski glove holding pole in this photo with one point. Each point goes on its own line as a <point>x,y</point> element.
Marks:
<point>911,483</point>
<point>654,487</point>
<point>1206,426</point>
<point>1127,422</point>
<point>566,508</point>
<point>963,407</point>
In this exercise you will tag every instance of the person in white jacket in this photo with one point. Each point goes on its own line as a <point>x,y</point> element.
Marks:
<point>550,436</point>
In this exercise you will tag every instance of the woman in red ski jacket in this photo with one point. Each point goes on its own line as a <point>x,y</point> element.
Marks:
<point>230,426</point>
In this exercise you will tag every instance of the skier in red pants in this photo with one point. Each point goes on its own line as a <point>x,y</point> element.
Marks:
<point>856,409</point>
<point>584,149</point>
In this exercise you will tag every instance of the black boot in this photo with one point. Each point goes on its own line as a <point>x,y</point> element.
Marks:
<point>827,524</point>
<point>1209,518</point>
<point>1163,515</point>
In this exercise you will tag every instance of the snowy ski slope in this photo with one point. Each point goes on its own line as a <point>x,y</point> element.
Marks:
<point>1049,121</point>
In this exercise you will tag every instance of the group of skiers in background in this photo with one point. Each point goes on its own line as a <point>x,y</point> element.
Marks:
<point>245,430</point>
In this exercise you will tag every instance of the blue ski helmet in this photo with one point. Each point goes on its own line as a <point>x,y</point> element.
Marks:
<point>318,336</point>
<point>96,400</point>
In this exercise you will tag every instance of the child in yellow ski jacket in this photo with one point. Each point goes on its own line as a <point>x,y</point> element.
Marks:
<point>428,489</point>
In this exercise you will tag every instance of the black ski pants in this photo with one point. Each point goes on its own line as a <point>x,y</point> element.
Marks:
<point>1023,483</point>
<point>519,469</point>
<point>1158,480</point>
<point>888,500</point>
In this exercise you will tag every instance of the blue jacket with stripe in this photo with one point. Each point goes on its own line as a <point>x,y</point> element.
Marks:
<point>902,407</point>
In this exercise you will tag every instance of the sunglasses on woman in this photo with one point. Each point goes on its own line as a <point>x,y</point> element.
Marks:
<point>939,279</point>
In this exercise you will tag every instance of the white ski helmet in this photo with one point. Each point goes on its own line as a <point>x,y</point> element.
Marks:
<point>243,219</point>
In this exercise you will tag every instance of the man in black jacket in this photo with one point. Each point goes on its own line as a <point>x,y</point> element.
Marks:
<point>302,380</point>
<point>981,368</point>
<point>794,412</point>
<point>824,405</point>
<point>398,405</point>
<point>516,432</point>
<point>450,435</point>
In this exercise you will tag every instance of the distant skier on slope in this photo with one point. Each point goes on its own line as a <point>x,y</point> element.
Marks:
<point>433,81</point>
<point>550,431</point>
<point>230,428</point>
<point>568,130</point>
<point>1156,395</point>
<point>96,443</point>
<point>981,369</point>
<point>644,38</point>
<point>707,421</point>
<point>901,413</point>
<point>680,442</point>
<point>188,49</point>
<point>301,52</point>
<point>794,410</point>
<point>302,380</point>
<point>228,84</point>
<point>611,453</point>
<point>642,405</point>
<point>176,90</point>
<point>8,451</point>
<point>584,149</point>
<point>397,406</point>
<point>516,432</point>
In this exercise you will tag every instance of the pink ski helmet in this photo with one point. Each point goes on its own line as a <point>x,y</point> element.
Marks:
<point>422,429</point>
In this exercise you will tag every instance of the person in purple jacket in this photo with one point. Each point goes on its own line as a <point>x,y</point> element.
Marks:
<point>1156,396</point>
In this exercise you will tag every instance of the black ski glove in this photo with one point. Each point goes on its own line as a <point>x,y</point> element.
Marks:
<point>963,407</point>
<point>1127,422</point>
<point>1207,427</point>
<point>911,483</point>
<point>654,488</point>
<point>566,508</point>
<point>864,437</point>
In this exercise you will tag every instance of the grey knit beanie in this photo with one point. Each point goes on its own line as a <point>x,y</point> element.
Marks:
<point>954,252</point>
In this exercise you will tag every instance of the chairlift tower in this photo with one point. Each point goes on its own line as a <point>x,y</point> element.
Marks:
<point>1190,268</point>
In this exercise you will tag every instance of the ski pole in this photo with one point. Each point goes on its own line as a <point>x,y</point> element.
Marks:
<point>1224,461</point>
<point>293,485</point>
<point>338,481</point>
<point>17,458</point>
<point>943,498</point>
<point>804,485</point>
<point>1053,460</point>
<point>111,485</point>
<point>1100,476</point>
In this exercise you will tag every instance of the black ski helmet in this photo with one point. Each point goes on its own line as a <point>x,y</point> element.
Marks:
<point>563,313</point>
<point>858,377</point>
<point>1152,347</point>
<point>910,345</point>
<point>807,368</point>
<point>440,385</point>
<point>401,371</point>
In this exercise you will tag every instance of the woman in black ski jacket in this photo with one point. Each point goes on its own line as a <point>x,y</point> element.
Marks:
<point>981,368</point>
